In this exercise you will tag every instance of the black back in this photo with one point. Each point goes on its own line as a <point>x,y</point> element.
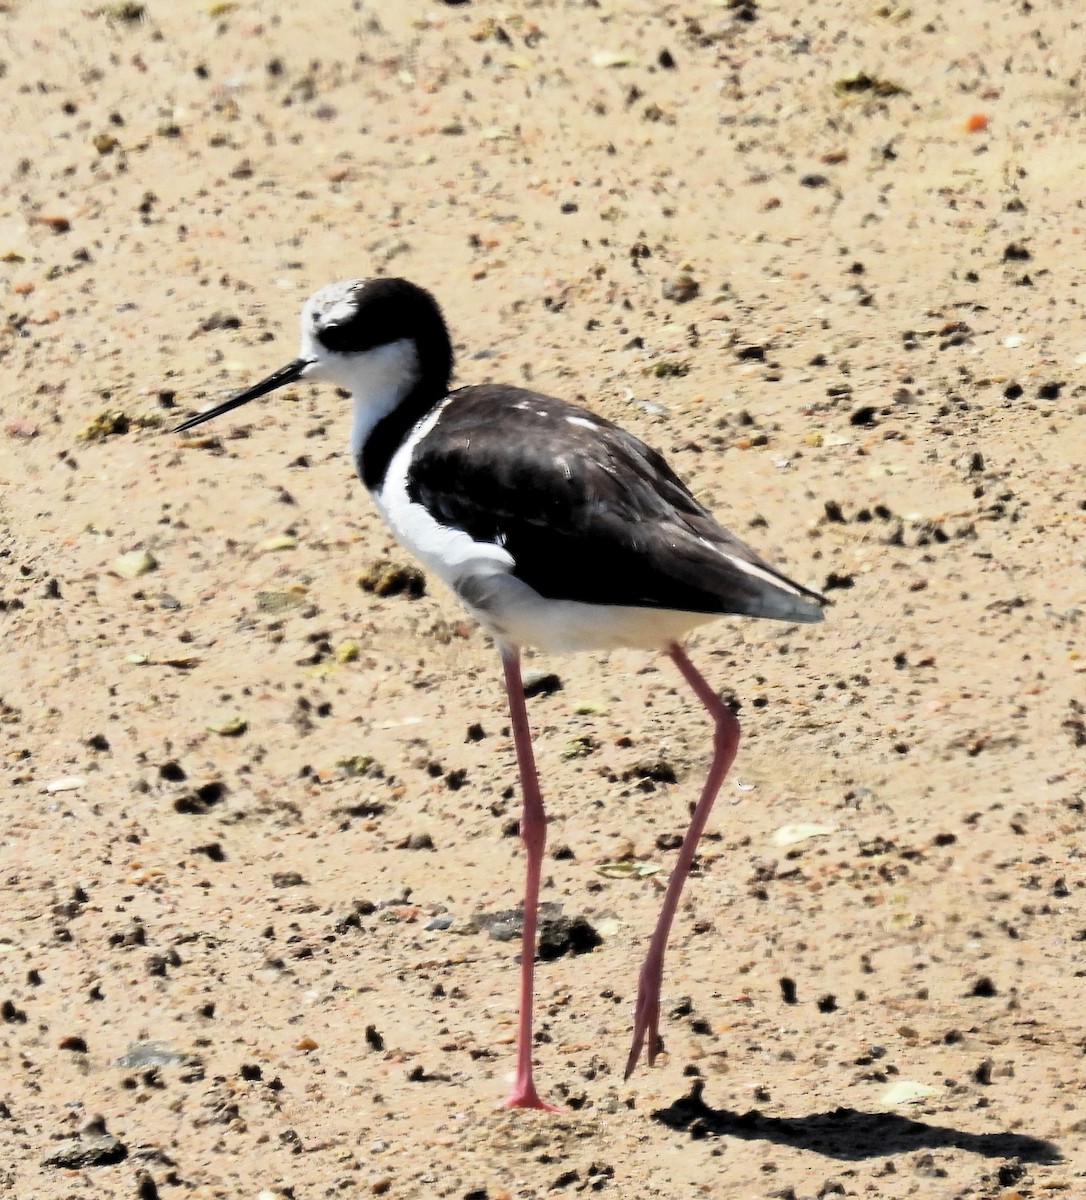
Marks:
<point>587,511</point>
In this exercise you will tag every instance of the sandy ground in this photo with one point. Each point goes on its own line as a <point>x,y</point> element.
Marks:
<point>257,971</point>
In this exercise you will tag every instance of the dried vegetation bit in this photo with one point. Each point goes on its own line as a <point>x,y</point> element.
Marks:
<point>360,765</point>
<point>581,746</point>
<point>416,841</point>
<point>287,879</point>
<point>110,422</point>
<point>1075,725</point>
<point>864,84</point>
<point>219,320</point>
<point>680,289</point>
<point>668,369</point>
<point>385,578</point>
<point>129,12</point>
<point>650,772</point>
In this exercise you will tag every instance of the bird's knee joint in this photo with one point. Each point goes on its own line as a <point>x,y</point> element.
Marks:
<point>533,829</point>
<point>725,728</point>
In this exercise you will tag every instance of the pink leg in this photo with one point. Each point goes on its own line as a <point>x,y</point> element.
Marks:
<point>533,831</point>
<point>725,744</point>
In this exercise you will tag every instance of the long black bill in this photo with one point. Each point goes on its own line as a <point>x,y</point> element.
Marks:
<point>288,374</point>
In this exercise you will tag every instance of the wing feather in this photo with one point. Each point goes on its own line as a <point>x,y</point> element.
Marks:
<point>587,511</point>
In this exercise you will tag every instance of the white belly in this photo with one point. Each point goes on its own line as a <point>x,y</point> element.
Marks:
<point>518,615</point>
<point>514,613</point>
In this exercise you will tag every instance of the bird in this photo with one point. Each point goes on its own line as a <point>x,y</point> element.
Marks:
<point>555,528</point>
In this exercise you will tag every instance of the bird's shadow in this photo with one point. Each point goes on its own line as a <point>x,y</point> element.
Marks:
<point>846,1133</point>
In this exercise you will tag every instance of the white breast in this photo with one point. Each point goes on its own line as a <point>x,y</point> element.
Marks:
<point>450,553</point>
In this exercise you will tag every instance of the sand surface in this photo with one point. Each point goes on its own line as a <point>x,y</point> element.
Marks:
<point>829,258</point>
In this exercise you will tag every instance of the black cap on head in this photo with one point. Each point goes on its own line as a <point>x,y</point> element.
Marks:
<point>382,311</point>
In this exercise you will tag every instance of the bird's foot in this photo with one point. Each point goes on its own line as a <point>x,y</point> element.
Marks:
<point>646,1027</point>
<point>524,1095</point>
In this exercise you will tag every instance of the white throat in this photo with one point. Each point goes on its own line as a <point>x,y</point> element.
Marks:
<point>378,381</point>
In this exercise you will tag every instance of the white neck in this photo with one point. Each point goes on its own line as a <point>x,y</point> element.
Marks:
<point>378,381</point>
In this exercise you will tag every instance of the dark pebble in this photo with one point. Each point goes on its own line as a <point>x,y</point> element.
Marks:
<point>12,1015</point>
<point>219,320</point>
<point>146,1188</point>
<point>1011,1173</point>
<point>561,935</point>
<point>926,1167</point>
<point>94,1147</point>
<point>200,801</point>
<point>541,683</point>
<point>681,289</point>
<point>834,512</point>
<point>865,415</point>
<point>285,879</point>
<point>659,770</point>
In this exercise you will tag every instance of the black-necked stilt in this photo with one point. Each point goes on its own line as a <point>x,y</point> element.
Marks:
<point>556,528</point>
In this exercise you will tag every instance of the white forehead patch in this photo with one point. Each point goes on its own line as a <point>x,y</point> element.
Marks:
<point>333,303</point>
